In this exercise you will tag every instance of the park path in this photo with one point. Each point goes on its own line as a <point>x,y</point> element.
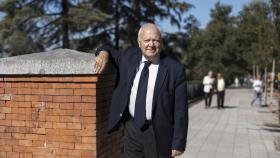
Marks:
<point>238,131</point>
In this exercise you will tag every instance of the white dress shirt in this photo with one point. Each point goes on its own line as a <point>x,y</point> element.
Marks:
<point>207,82</point>
<point>153,70</point>
<point>257,85</point>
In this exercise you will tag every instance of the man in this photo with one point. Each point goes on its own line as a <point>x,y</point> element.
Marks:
<point>208,85</point>
<point>150,98</point>
<point>257,90</point>
<point>220,88</point>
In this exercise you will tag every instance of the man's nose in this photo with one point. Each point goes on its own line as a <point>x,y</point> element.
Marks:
<point>151,43</point>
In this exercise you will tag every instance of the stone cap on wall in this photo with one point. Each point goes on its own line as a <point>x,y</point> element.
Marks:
<point>56,62</point>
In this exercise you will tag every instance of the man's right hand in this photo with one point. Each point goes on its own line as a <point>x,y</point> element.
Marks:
<point>100,62</point>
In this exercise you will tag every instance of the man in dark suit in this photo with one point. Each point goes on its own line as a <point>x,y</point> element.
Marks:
<point>150,98</point>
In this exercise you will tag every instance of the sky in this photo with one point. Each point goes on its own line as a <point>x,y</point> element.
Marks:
<point>201,11</point>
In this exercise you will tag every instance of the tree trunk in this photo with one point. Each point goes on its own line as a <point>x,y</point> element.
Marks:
<point>65,27</point>
<point>117,29</point>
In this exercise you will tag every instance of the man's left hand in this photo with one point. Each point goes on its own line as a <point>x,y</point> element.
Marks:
<point>176,153</point>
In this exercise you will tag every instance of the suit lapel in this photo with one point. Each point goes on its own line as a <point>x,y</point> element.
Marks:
<point>162,71</point>
<point>132,69</point>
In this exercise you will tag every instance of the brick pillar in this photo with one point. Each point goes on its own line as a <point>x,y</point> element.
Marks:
<point>57,116</point>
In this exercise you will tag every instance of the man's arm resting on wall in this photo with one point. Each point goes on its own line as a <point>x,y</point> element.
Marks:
<point>103,54</point>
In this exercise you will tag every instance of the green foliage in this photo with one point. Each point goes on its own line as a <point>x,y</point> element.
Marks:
<point>81,24</point>
<point>232,44</point>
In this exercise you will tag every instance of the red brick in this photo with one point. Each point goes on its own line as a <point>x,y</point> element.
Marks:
<point>5,135</point>
<point>3,154</point>
<point>65,79</point>
<point>91,92</point>
<point>34,150</point>
<point>85,146</point>
<point>12,154</point>
<point>38,130</point>
<point>66,99</point>
<point>2,91</point>
<point>59,125</point>
<point>18,85</point>
<point>63,138</point>
<point>65,91</point>
<point>91,99</point>
<point>31,137</point>
<point>18,97</point>
<point>84,106</point>
<point>38,91</point>
<point>38,143</point>
<point>73,119</point>
<point>11,104</point>
<point>45,85</point>
<point>67,152</point>
<point>24,104</point>
<point>5,110</point>
<point>88,85</point>
<point>6,148</point>
<point>5,122</point>
<point>89,153</point>
<point>88,119</point>
<point>88,112</point>
<point>66,145</point>
<point>2,116</point>
<point>25,142</point>
<point>25,155</point>
<point>5,97</point>
<point>52,118</point>
<point>18,136</point>
<point>2,103</point>
<point>33,98</point>
<point>18,123</point>
<point>91,140</point>
<point>52,105</point>
<point>24,91</point>
<point>66,106</point>
<point>31,85</point>
<point>65,85</point>
<point>74,126</point>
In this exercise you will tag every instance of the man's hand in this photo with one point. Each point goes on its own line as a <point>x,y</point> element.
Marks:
<point>176,153</point>
<point>100,62</point>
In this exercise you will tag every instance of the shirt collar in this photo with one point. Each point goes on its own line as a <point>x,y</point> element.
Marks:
<point>155,62</point>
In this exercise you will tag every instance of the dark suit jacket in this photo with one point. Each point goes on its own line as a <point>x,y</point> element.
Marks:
<point>170,109</point>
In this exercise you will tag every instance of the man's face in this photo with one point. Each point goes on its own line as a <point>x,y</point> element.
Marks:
<point>149,42</point>
<point>210,73</point>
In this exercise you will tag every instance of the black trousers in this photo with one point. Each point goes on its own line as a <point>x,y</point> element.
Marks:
<point>220,99</point>
<point>208,99</point>
<point>139,143</point>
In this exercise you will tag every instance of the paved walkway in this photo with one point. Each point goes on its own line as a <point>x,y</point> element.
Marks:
<point>237,131</point>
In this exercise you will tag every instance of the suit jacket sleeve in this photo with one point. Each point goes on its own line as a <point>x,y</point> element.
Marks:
<point>180,112</point>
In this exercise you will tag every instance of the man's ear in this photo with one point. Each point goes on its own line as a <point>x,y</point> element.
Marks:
<point>138,40</point>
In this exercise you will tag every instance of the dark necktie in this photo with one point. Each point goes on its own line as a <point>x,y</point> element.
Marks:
<point>140,103</point>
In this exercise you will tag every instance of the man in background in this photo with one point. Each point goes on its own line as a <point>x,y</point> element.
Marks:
<point>220,88</point>
<point>208,82</point>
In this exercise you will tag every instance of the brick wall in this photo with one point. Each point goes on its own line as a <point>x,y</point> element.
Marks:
<point>57,117</point>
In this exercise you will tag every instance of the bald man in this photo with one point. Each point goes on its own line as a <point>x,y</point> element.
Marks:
<point>150,98</point>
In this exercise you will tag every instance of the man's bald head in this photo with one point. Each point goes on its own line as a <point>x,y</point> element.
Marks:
<point>149,41</point>
<point>148,26</point>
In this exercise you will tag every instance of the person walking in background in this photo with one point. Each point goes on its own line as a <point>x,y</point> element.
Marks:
<point>257,90</point>
<point>208,82</point>
<point>236,82</point>
<point>150,98</point>
<point>220,89</point>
